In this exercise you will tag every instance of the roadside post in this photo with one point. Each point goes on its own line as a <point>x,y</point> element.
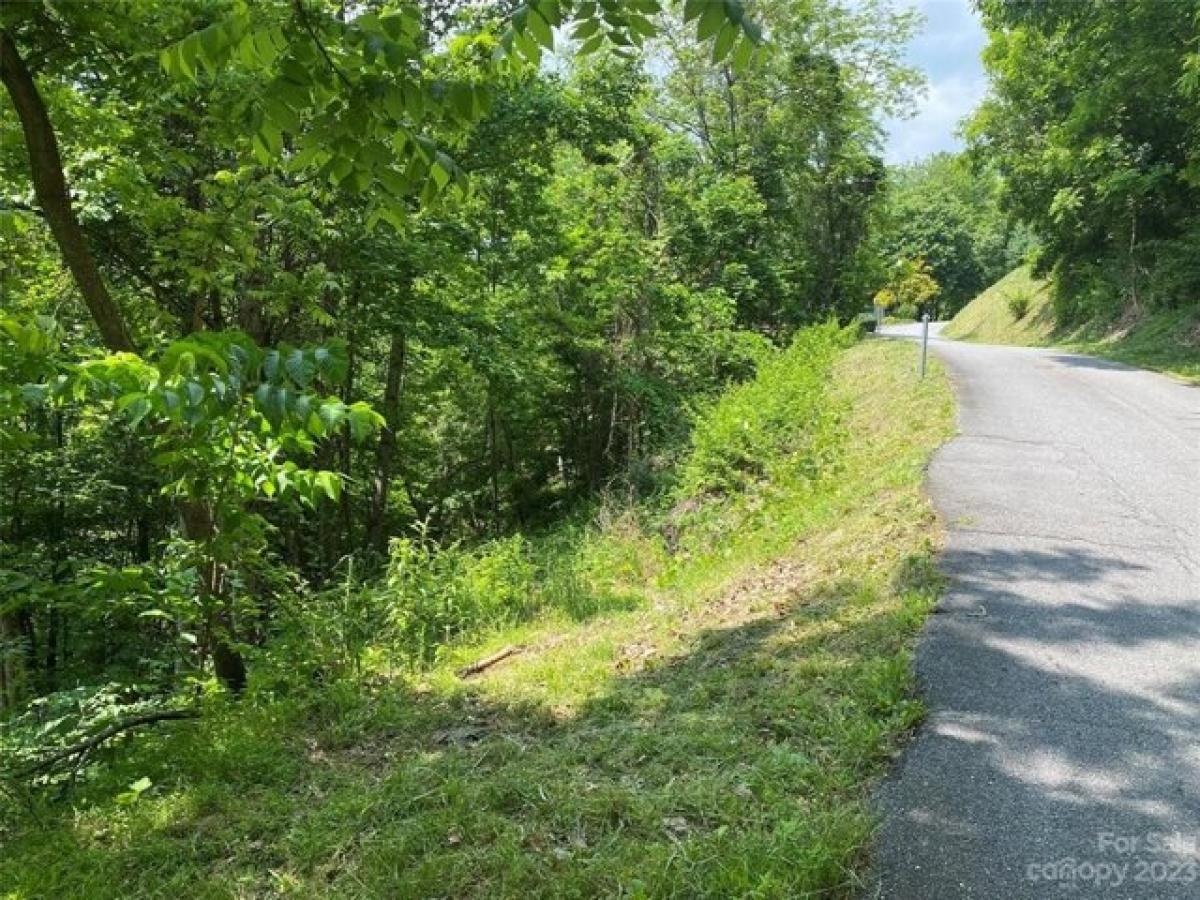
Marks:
<point>924,342</point>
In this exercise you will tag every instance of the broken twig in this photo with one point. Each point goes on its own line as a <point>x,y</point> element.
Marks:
<point>488,661</point>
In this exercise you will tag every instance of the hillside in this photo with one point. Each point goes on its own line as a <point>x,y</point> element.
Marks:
<point>1018,309</point>
<point>713,728</point>
<point>991,318</point>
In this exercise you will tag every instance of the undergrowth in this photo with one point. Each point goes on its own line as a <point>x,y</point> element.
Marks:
<point>698,702</point>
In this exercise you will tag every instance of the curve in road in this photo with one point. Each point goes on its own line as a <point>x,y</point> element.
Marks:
<point>1061,753</point>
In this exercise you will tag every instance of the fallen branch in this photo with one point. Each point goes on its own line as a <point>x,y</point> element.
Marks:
<point>104,734</point>
<point>488,661</point>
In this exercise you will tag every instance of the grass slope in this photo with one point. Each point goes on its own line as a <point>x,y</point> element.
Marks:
<point>719,738</point>
<point>1165,341</point>
<point>987,319</point>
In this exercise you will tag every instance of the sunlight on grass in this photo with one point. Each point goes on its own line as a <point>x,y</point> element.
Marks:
<point>991,318</point>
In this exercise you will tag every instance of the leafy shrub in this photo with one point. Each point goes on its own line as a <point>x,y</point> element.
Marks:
<point>1018,303</point>
<point>863,324</point>
<point>782,417</point>
<point>780,424</point>
<point>327,634</point>
<point>435,595</point>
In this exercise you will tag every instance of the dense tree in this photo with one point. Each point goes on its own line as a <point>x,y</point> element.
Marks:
<point>799,126</point>
<point>947,212</point>
<point>1092,124</point>
<point>338,272</point>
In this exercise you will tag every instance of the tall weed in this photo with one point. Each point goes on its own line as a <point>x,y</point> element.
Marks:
<point>436,594</point>
<point>782,419</point>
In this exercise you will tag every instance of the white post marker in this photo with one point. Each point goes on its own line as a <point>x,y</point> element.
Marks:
<point>924,342</point>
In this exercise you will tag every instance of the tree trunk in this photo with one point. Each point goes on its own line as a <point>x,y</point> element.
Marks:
<point>11,668</point>
<point>50,186</point>
<point>385,452</point>
<point>228,665</point>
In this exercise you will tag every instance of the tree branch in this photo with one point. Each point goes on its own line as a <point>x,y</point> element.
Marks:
<point>88,744</point>
<point>302,15</point>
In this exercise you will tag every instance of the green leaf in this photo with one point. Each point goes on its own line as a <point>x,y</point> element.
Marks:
<point>331,414</point>
<point>585,29</point>
<point>363,420</point>
<point>724,42</point>
<point>301,366</point>
<point>393,25</point>
<point>332,361</point>
<point>442,170</point>
<point>330,483</point>
<point>551,11</point>
<point>711,20</point>
<point>414,100</point>
<point>591,45</point>
<point>270,365</point>
<point>131,796</point>
<point>280,114</point>
<point>743,53</point>
<point>267,43</point>
<point>753,30</point>
<point>271,402</point>
<point>462,100</point>
<point>528,47</point>
<point>642,26</point>
<point>195,392</point>
<point>540,29</point>
<point>135,406</point>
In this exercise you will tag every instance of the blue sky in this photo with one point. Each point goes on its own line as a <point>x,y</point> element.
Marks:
<point>947,50</point>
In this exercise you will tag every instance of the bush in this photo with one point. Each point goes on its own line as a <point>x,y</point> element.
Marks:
<point>863,324</point>
<point>783,417</point>
<point>780,424</point>
<point>1018,303</point>
<point>36,743</point>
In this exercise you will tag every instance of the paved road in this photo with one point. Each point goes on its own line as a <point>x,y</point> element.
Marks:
<point>1062,670</point>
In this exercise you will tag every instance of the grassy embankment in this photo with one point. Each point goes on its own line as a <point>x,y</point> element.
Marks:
<point>717,732</point>
<point>1017,309</point>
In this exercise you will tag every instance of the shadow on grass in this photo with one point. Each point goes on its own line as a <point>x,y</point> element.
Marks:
<point>741,766</point>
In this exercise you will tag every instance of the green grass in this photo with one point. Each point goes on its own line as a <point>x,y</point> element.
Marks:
<point>1167,341</point>
<point>718,737</point>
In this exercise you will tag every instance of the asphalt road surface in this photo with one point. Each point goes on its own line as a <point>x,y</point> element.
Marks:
<point>1061,754</point>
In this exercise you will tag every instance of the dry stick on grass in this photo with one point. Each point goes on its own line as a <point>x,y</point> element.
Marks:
<point>488,661</point>
<point>89,744</point>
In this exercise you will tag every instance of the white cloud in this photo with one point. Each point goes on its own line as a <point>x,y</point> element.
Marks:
<point>947,51</point>
<point>934,127</point>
